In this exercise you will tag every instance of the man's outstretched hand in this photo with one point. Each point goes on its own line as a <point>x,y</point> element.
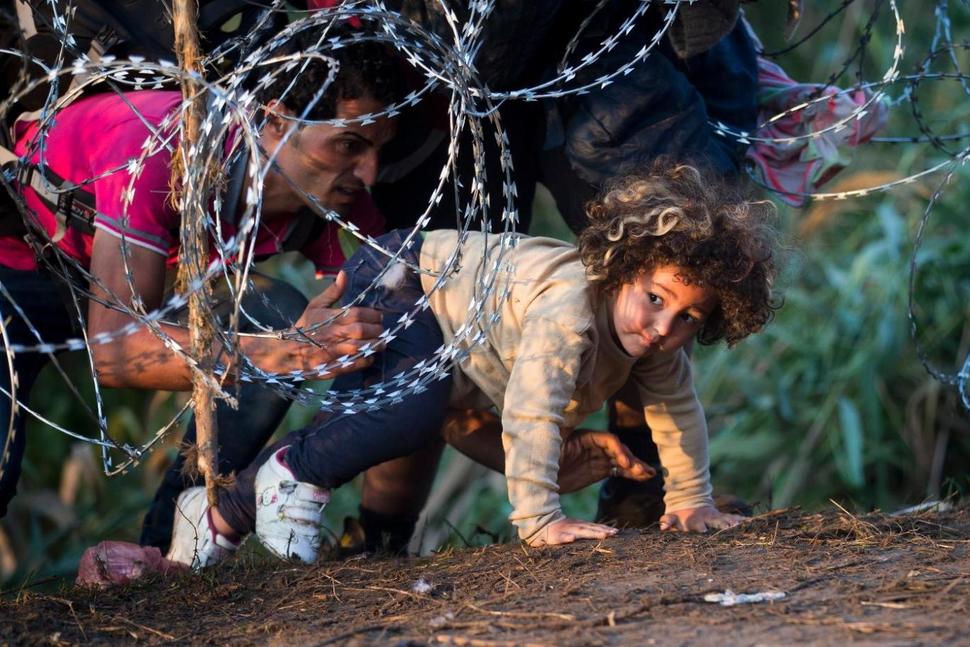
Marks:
<point>309,344</point>
<point>344,335</point>
<point>590,456</point>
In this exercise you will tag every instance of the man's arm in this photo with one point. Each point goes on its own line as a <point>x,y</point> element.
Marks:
<point>142,360</point>
<point>587,455</point>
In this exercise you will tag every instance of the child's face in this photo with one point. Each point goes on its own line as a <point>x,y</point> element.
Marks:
<point>659,311</point>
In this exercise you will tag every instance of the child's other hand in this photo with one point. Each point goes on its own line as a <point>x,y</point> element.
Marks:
<point>698,520</point>
<point>590,456</point>
<point>566,531</point>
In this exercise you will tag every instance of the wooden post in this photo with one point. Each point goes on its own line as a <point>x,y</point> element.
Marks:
<point>194,256</point>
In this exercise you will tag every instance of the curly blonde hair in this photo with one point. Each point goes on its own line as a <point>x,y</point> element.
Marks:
<point>677,215</point>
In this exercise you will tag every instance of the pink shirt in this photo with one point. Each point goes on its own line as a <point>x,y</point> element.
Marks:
<point>101,133</point>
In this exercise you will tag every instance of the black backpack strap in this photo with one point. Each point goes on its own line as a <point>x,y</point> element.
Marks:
<point>234,189</point>
<point>72,206</point>
<point>306,226</point>
<point>11,224</point>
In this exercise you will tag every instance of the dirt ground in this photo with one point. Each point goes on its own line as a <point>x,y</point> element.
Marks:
<point>866,580</point>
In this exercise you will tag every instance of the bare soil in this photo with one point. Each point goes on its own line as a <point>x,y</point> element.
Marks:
<point>874,579</point>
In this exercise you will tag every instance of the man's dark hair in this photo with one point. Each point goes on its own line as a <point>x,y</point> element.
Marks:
<point>366,69</point>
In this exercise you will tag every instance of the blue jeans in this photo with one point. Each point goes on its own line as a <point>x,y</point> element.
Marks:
<point>338,447</point>
<point>244,431</point>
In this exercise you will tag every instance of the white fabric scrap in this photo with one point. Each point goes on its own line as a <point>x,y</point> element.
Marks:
<point>926,506</point>
<point>422,586</point>
<point>729,598</point>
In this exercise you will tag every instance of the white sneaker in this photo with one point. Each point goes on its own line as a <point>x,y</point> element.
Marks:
<point>288,512</point>
<point>195,542</point>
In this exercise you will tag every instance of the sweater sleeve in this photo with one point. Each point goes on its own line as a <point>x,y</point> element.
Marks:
<point>541,385</point>
<point>676,421</point>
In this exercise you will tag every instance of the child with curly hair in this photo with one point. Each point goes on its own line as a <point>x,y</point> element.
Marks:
<point>669,256</point>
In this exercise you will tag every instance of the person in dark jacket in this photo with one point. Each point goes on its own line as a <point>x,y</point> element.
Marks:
<point>706,69</point>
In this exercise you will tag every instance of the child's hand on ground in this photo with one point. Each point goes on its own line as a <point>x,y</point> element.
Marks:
<point>566,531</point>
<point>590,456</point>
<point>699,520</point>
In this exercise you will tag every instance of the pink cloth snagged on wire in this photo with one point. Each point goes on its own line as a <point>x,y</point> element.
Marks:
<point>353,21</point>
<point>804,165</point>
<point>120,562</point>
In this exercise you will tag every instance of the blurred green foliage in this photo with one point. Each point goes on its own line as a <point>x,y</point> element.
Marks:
<point>829,402</point>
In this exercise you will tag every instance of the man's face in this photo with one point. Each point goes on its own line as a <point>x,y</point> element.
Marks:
<point>332,164</point>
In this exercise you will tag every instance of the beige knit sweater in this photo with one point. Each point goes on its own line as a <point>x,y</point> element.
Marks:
<point>551,360</point>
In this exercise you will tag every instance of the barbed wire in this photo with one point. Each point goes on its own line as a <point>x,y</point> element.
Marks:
<point>445,61</point>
